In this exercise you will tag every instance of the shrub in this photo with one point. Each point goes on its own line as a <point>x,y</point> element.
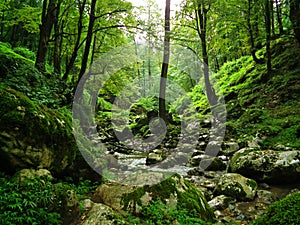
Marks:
<point>285,211</point>
<point>29,202</point>
<point>25,52</point>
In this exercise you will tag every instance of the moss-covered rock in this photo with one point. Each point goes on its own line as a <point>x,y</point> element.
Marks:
<point>236,186</point>
<point>33,136</point>
<point>285,211</point>
<point>173,191</point>
<point>268,165</point>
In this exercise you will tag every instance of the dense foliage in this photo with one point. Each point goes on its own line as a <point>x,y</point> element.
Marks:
<point>250,48</point>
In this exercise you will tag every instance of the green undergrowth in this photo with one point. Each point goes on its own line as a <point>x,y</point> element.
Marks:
<point>38,200</point>
<point>262,103</point>
<point>17,71</point>
<point>285,211</point>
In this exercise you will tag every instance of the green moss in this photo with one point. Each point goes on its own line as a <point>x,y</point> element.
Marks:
<point>189,199</point>
<point>252,184</point>
<point>37,125</point>
<point>285,211</point>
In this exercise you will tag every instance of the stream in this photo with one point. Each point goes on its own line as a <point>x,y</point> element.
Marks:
<point>205,181</point>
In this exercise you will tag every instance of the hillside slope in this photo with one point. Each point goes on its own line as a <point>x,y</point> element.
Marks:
<point>261,105</point>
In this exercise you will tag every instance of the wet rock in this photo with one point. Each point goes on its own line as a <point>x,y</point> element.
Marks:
<point>266,197</point>
<point>102,214</point>
<point>208,163</point>
<point>236,186</point>
<point>154,157</point>
<point>220,202</point>
<point>173,190</point>
<point>31,174</point>
<point>267,166</point>
<point>229,148</point>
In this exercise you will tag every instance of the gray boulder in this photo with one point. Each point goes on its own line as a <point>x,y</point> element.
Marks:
<point>174,191</point>
<point>102,215</point>
<point>268,165</point>
<point>236,186</point>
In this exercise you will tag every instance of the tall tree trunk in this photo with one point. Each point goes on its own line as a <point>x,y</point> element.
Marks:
<point>251,36</point>
<point>295,17</point>
<point>76,48</point>
<point>271,3</point>
<point>279,16</point>
<point>45,32</point>
<point>268,35</point>
<point>88,43</point>
<point>57,41</point>
<point>165,64</point>
<point>201,20</point>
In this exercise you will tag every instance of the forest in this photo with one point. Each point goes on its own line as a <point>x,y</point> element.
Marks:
<point>149,112</point>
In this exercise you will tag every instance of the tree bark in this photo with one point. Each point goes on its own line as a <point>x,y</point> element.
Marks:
<point>45,32</point>
<point>88,42</point>
<point>201,21</point>
<point>86,53</point>
<point>268,35</point>
<point>76,48</point>
<point>165,64</point>
<point>251,36</point>
<point>279,16</point>
<point>57,41</point>
<point>295,17</point>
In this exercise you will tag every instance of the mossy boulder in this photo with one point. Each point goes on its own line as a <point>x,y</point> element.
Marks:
<point>174,191</point>
<point>285,211</point>
<point>236,186</point>
<point>102,214</point>
<point>33,136</point>
<point>268,165</point>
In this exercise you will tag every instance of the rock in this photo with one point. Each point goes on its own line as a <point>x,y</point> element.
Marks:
<point>220,202</point>
<point>268,165</point>
<point>87,204</point>
<point>100,215</point>
<point>33,136</point>
<point>173,190</point>
<point>208,162</point>
<point>31,174</point>
<point>67,203</point>
<point>236,186</point>
<point>229,148</point>
<point>154,157</point>
<point>266,197</point>
<point>285,211</point>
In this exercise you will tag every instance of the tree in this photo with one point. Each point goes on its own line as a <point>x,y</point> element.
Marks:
<point>89,38</point>
<point>295,17</point>
<point>251,34</point>
<point>48,19</point>
<point>165,64</point>
<point>201,11</point>
<point>268,34</point>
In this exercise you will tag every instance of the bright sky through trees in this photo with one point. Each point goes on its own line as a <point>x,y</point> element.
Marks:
<point>160,3</point>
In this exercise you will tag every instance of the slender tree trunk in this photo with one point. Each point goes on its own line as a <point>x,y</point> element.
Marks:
<point>251,36</point>
<point>201,20</point>
<point>272,17</point>
<point>72,60</point>
<point>268,35</point>
<point>279,16</point>
<point>57,41</point>
<point>86,53</point>
<point>295,17</point>
<point>165,64</point>
<point>45,32</point>
<point>88,42</point>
